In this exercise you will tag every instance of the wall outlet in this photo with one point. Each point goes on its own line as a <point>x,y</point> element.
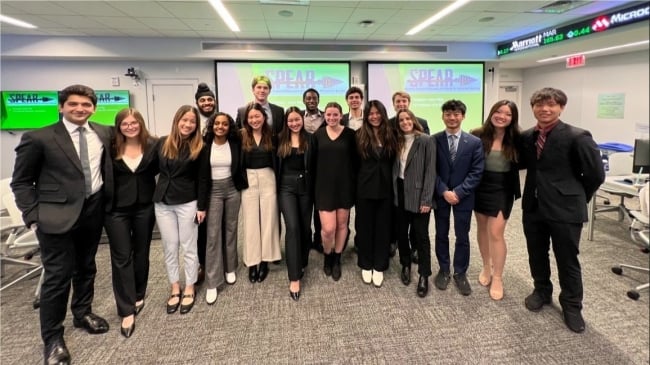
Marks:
<point>115,81</point>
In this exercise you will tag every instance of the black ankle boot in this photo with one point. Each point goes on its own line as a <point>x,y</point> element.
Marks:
<point>327,263</point>
<point>263,271</point>
<point>336,266</point>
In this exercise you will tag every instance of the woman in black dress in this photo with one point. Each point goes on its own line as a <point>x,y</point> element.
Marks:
<point>497,191</point>
<point>335,162</point>
<point>294,195</point>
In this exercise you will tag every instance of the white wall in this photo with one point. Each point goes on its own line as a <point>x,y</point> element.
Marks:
<point>623,73</point>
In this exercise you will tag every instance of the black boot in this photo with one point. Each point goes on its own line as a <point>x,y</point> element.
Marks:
<point>263,271</point>
<point>327,263</point>
<point>336,266</point>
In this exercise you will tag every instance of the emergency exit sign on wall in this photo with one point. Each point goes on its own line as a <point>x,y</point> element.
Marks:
<point>575,61</point>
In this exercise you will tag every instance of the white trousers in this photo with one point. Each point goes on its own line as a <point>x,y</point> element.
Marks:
<point>178,230</point>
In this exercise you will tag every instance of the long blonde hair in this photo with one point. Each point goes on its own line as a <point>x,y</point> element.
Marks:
<point>174,142</point>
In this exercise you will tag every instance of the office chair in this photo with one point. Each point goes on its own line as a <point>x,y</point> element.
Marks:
<point>19,245</point>
<point>620,164</point>
<point>640,233</point>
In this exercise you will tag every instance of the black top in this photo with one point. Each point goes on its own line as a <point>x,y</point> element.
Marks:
<point>258,158</point>
<point>335,165</point>
<point>375,178</point>
<point>135,187</point>
<point>293,164</point>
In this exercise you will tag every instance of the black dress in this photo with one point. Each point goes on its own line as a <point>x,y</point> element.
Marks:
<point>335,170</point>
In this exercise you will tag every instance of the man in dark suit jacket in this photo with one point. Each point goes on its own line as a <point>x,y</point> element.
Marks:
<point>402,101</point>
<point>66,206</point>
<point>261,89</point>
<point>564,171</point>
<point>459,173</point>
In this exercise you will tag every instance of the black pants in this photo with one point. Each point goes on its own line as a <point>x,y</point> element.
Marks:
<point>373,226</point>
<point>419,234</point>
<point>129,233</point>
<point>565,238</point>
<point>201,243</point>
<point>69,257</point>
<point>296,207</point>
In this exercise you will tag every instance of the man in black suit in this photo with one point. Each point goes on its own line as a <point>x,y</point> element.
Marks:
<point>206,104</point>
<point>261,87</point>
<point>62,182</point>
<point>564,171</point>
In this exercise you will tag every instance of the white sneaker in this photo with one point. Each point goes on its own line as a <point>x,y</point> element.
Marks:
<point>231,277</point>
<point>377,278</point>
<point>366,275</point>
<point>211,296</point>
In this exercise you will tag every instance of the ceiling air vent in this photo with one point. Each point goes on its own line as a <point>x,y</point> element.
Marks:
<point>221,46</point>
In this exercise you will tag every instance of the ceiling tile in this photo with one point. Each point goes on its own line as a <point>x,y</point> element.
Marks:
<point>145,9</point>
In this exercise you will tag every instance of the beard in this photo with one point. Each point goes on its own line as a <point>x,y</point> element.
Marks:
<point>206,113</point>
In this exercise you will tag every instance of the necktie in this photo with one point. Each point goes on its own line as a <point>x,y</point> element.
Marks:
<point>85,162</point>
<point>539,144</point>
<point>452,147</point>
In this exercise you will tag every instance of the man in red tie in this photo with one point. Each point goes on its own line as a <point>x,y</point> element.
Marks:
<point>564,171</point>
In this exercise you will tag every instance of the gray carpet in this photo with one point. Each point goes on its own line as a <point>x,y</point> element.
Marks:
<point>353,323</point>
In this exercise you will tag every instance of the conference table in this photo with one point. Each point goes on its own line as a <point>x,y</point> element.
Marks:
<point>625,186</point>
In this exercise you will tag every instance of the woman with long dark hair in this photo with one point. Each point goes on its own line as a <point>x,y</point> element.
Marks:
<point>223,164</point>
<point>377,148</point>
<point>497,191</point>
<point>180,203</point>
<point>294,195</point>
<point>130,222</point>
<point>259,202</point>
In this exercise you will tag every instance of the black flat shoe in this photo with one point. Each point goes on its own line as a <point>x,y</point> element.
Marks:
<point>186,308</point>
<point>172,308</point>
<point>138,308</point>
<point>127,331</point>
<point>294,295</point>
<point>263,272</point>
<point>406,275</point>
<point>423,286</point>
<point>252,274</point>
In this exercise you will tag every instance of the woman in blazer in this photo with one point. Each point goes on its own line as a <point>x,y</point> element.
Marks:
<point>294,195</point>
<point>180,202</point>
<point>377,148</point>
<point>259,202</point>
<point>224,165</point>
<point>414,177</point>
<point>497,191</point>
<point>130,222</point>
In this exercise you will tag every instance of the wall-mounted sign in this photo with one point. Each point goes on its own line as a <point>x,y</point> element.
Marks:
<point>600,23</point>
<point>575,61</point>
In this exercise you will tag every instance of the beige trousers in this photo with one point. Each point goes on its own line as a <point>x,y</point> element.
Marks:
<point>260,217</point>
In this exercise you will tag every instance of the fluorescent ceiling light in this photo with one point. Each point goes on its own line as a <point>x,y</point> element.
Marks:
<point>633,44</point>
<point>224,14</point>
<point>16,22</point>
<point>441,14</point>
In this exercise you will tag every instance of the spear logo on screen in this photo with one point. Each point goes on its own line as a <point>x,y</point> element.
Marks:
<point>440,79</point>
<point>291,80</point>
<point>29,98</point>
<point>107,98</point>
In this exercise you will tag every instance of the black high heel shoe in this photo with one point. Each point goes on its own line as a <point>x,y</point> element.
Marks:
<point>128,331</point>
<point>252,274</point>
<point>138,307</point>
<point>294,295</point>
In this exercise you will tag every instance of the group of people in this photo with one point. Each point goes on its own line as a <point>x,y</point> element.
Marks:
<point>303,165</point>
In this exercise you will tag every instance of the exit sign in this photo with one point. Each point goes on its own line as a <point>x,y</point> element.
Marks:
<point>575,61</point>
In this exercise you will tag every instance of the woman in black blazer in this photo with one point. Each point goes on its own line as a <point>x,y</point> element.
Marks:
<point>294,194</point>
<point>414,177</point>
<point>497,191</point>
<point>224,165</point>
<point>180,202</point>
<point>377,147</point>
<point>130,222</point>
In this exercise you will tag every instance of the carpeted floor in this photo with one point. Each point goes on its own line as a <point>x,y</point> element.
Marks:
<point>352,323</point>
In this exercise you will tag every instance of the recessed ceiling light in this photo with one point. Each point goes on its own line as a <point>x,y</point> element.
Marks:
<point>366,23</point>
<point>16,22</point>
<point>285,13</point>
<point>486,19</point>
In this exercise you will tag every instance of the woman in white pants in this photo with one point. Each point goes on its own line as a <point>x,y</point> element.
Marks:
<point>180,203</point>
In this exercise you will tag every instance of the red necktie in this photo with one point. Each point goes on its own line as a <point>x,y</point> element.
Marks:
<point>541,139</point>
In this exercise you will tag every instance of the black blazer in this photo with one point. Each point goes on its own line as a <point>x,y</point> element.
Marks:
<point>307,173</point>
<point>375,177</point>
<point>237,170</point>
<point>135,187</point>
<point>277,113</point>
<point>181,180</point>
<point>48,179</point>
<point>567,174</point>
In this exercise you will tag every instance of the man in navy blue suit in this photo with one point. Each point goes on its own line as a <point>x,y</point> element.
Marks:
<point>459,163</point>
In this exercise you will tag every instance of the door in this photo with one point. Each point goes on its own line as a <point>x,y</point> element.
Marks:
<point>510,91</point>
<point>164,97</point>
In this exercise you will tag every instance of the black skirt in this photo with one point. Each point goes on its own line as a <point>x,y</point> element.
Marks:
<point>494,195</point>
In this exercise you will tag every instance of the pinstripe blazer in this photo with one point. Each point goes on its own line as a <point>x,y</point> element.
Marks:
<point>419,174</point>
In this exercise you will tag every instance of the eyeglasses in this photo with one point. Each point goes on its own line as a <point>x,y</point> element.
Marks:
<point>129,125</point>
